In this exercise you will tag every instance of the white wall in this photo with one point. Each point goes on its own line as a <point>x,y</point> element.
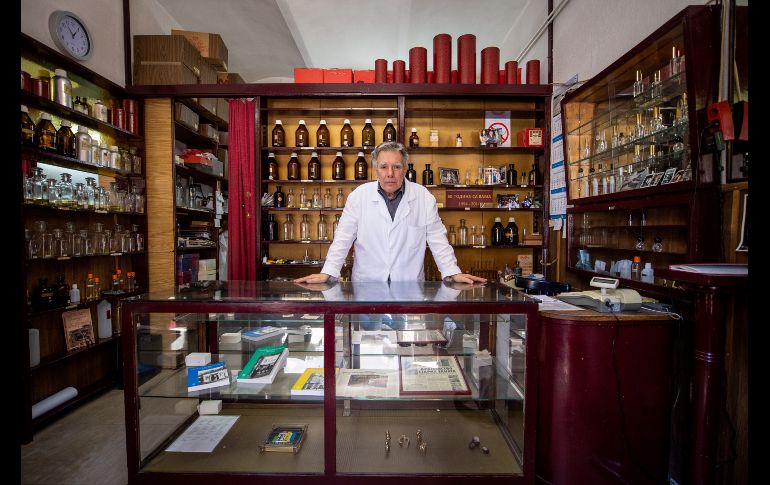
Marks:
<point>590,34</point>
<point>521,32</point>
<point>104,19</point>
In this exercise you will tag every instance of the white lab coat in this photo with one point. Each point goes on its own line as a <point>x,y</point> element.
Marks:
<point>385,248</point>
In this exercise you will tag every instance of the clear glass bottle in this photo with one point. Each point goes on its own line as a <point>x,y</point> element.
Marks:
<point>367,134</point>
<point>290,201</point>
<point>452,235</point>
<point>482,241</point>
<point>52,192</point>
<point>322,229</point>
<point>293,167</point>
<point>279,135</point>
<point>414,140</point>
<point>474,236</point>
<point>39,187</point>
<point>638,85</point>
<point>100,111</point>
<point>66,191</point>
<point>288,229</point>
<point>314,167</point>
<point>315,201</point>
<point>271,228</point>
<point>96,153</point>
<point>346,135</point>
<point>181,193</point>
<point>389,133</point>
<point>361,167</point>
<point>130,281</point>
<point>335,225</point>
<point>462,234</point>
<point>338,167</point>
<point>301,135</point>
<point>322,135</point>
<point>339,201</point>
<point>636,268</point>
<point>304,228</point>
<point>115,161</point>
<point>45,133</point>
<point>681,110</point>
<point>611,181</point>
<point>582,181</point>
<point>27,127</point>
<point>303,198</point>
<point>458,141</point>
<point>138,237</point>
<point>104,155</point>
<point>639,245</point>
<point>89,293</point>
<point>272,167</point>
<point>657,246</point>
<point>327,200</point>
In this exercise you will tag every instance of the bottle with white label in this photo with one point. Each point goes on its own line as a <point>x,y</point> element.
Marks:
<point>74,294</point>
<point>104,313</point>
<point>648,273</point>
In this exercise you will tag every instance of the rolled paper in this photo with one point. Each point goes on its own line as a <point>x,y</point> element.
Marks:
<point>533,71</point>
<point>511,68</point>
<point>466,58</point>
<point>381,70</point>
<point>490,65</point>
<point>399,71</point>
<point>53,400</point>
<point>442,58</point>
<point>418,65</point>
<point>454,77</point>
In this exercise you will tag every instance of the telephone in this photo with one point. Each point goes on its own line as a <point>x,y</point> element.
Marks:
<point>608,299</point>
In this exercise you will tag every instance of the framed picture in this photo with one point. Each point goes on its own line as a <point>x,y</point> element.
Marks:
<point>647,181</point>
<point>668,176</point>
<point>449,176</point>
<point>678,176</point>
<point>78,329</point>
<point>656,179</point>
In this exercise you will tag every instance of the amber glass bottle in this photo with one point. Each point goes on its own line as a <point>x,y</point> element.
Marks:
<point>272,167</point>
<point>346,135</point>
<point>367,134</point>
<point>301,136</point>
<point>361,168</point>
<point>322,135</point>
<point>414,140</point>
<point>65,140</point>
<point>411,173</point>
<point>314,167</point>
<point>389,133</point>
<point>293,169</point>
<point>338,167</point>
<point>279,136</point>
<point>27,127</point>
<point>45,133</point>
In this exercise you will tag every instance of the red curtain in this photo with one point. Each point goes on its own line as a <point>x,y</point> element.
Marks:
<point>242,201</point>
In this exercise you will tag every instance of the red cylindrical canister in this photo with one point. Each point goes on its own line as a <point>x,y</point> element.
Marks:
<point>510,72</point>
<point>490,65</point>
<point>431,77</point>
<point>132,122</point>
<point>381,70</point>
<point>533,71</point>
<point>406,76</point>
<point>442,58</point>
<point>40,87</point>
<point>399,71</point>
<point>454,77</point>
<point>518,75</point>
<point>129,105</point>
<point>501,77</point>
<point>466,58</point>
<point>119,118</point>
<point>26,82</point>
<point>418,65</point>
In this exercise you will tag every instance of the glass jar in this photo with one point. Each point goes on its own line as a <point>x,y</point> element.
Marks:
<point>61,247</point>
<point>96,153</point>
<point>287,229</point>
<point>99,238</point>
<point>327,199</point>
<point>43,240</point>
<point>316,200</point>
<point>322,235</point>
<point>104,155</point>
<point>100,111</point>
<point>340,199</point>
<point>304,228</point>
<point>138,200</point>
<point>474,236</point>
<point>181,194</point>
<point>452,236</point>
<point>89,193</point>
<point>115,161</point>
<point>462,234</point>
<point>195,196</point>
<point>87,242</point>
<point>79,196</point>
<point>65,140</point>
<point>117,198</point>
<point>39,187</point>
<point>138,236</point>
<point>52,192</point>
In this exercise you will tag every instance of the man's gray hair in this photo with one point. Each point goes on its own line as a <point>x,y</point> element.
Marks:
<point>390,146</point>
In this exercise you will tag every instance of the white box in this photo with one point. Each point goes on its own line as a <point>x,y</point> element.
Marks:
<point>195,359</point>
<point>230,338</point>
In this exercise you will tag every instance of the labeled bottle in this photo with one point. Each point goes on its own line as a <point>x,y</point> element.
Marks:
<point>389,133</point>
<point>414,140</point>
<point>104,313</point>
<point>498,237</point>
<point>411,173</point>
<point>62,88</point>
<point>462,234</point>
<point>27,127</point>
<point>647,274</point>
<point>511,233</point>
<point>272,167</point>
<point>279,198</point>
<point>314,167</point>
<point>458,141</point>
<point>304,228</point>
<point>534,179</point>
<point>636,268</point>
<point>340,199</point>
<point>65,140</point>
<point>279,135</point>
<point>83,143</point>
<point>293,168</point>
<point>45,133</point>
<point>510,175</point>
<point>338,167</point>
<point>322,135</point>
<point>427,175</point>
<point>75,294</point>
<point>367,134</point>
<point>346,135</point>
<point>301,136</point>
<point>361,167</point>
<point>271,228</point>
<point>290,200</point>
<point>288,229</point>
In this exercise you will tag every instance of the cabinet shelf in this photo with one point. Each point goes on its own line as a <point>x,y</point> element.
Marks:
<point>489,246</point>
<point>482,186</point>
<point>646,192</point>
<point>292,265</point>
<point>321,150</point>
<point>48,106</point>
<point>660,136</point>
<point>635,228</point>
<point>342,111</point>
<point>470,112</point>
<point>324,182</point>
<point>207,115</point>
<point>190,137</point>
<point>59,357</point>
<point>630,251</point>
<point>85,304</point>
<point>300,209</point>
<point>199,175</point>
<point>186,211</point>
<point>485,209</point>
<point>71,163</point>
<point>67,258</point>
<point>486,150</point>
<point>195,249</point>
<point>297,241</point>
<point>28,206</point>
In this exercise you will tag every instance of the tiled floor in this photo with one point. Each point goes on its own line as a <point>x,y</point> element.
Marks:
<point>87,446</point>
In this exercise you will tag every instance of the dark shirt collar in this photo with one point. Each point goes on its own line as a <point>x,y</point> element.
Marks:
<point>396,193</point>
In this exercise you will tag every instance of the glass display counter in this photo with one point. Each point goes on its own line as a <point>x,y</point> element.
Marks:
<point>431,380</point>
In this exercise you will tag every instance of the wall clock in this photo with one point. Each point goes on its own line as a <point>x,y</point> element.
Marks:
<point>71,35</point>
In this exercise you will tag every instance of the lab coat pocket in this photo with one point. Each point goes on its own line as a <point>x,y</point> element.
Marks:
<point>416,238</point>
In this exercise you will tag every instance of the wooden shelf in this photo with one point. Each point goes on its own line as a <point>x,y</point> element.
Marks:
<point>208,116</point>
<point>337,112</point>
<point>191,138</point>
<point>57,358</point>
<point>28,206</point>
<point>631,251</point>
<point>646,192</point>
<point>85,304</point>
<point>200,175</point>
<point>469,112</point>
<point>48,106</point>
<point>297,241</point>
<point>485,150</point>
<point>486,209</point>
<point>195,249</point>
<point>478,187</point>
<point>321,150</point>
<point>321,182</point>
<point>292,265</point>
<point>298,209</point>
<point>184,211</point>
<point>71,163</point>
<point>85,256</point>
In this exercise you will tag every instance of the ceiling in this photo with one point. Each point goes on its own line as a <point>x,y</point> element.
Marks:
<point>267,39</point>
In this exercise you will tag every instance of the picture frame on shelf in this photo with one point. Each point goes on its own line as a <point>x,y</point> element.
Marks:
<point>78,329</point>
<point>647,182</point>
<point>656,178</point>
<point>449,176</point>
<point>678,177</point>
<point>668,176</point>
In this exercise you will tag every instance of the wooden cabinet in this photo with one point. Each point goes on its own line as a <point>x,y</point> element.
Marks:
<point>639,153</point>
<point>95,225</point>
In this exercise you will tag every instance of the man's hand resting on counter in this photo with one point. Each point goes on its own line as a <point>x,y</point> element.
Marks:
<point>313,278</point>
<point>466,278</point>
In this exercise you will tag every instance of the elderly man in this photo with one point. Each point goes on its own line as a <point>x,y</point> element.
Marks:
<point>389,222</point>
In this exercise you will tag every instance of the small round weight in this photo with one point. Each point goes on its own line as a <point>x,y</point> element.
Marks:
<point>485,450</point>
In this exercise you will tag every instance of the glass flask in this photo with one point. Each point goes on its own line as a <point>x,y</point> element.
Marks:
<point>304,228</point>
<point>290,198</point>
<point>340,199</point>
<point>335,225</point>
<point>462,234</point>
<point>452,236</point>
<point>322,229</point>
<point>327,199</point>
<point>288,229</point>
<point>316,200</point>
<point>302,197</point>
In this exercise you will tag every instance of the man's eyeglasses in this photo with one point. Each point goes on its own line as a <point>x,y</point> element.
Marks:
<point>395,168</point>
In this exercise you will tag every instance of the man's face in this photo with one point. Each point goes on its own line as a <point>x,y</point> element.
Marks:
<point>390,171</point>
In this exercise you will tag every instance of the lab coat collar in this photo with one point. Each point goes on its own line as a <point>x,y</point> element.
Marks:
<point>404,208</point>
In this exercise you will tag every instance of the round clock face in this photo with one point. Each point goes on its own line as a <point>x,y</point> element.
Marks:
<point>70,34</point>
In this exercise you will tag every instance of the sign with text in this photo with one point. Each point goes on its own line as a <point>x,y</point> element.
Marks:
<point>471,198</point>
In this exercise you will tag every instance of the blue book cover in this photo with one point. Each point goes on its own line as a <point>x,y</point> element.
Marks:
<point>207,376</point>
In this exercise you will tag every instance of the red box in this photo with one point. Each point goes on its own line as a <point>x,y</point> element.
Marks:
<point>338,76</point>
<point>530,137</point>
<point>308,75</point>
<point>363,76</point>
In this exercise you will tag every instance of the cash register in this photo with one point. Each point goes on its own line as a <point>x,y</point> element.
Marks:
<point>608,299</point>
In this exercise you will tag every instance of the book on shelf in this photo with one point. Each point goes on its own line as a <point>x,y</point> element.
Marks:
<point>286,438</point>
<point>420,337</point>
<point>263,365</point>
<point>310,382</point>
<point>207,376</point>
<point>78,329</point>
<point>367,383</point>
<point>262,333</point>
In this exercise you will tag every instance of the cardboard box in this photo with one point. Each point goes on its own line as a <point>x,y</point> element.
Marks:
<point>211,47</point>
<point>338,76</point>
<point>209,131</point>
<point>308,75</point>
<point>223,109</point>
<point>165,59</point>
<point>223,137</point>
<point>224,77</point>
<point>530,137</point>
<point>186,116</point>
<point>363,76</point>
<point>208,74</point>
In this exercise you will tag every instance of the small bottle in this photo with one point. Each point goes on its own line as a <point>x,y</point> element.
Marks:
<point>271,228</point>
<point>315,201</point>
<point>534,179</point>
<point>272,167</point>
<point>452,236</point>
<point>301,136</point>
<point>411,173</point>
<point>594,181</point>
<point>414,140</point>
<point>314,167</point>
<point>302,198</point>
<point>657,246</point>
<point>346,135</point>
<point>89,288</point>
<point>290,200</point>
<point>483,236</point>
<point>636,268</point>
<point>87,110</point>
<point>131,281</point>
<point>474,236</point>
<point>584,184</point>
<point>458,141</point>
<point>97,288</point>
<point>389,133</point>
<point>288,229</point>
<point>340,199</point>
<point>611,181</point>
<point>647,274</point>
<point>74,294</point>
<point>293,167</point>
<point>367,134</point>
<point>327,199</point>
<point>604,182</point>
<point>100,111</point>
<point>510,175</point>
<point>27,127</point>
<point>498,232</point>
<point>62,88</point>
<point>462,234</point>
<point>511,234</point>
<point>322,134</point>
<point>361,167</point>
<point>115,287</point>
<point>304,228</point>
<point>45,133</point>
<point>336,224</point>
<point>338,167</point>
<point>639,246</point>
<point>83,143</point>
<point>279,198</point>
<point>65,140</point>
<point>427,175</point>
<point>322,235</point>
<point>279,135</point>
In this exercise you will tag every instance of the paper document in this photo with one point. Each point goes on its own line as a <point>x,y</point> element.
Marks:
<point>713,269</point>
<point>549,303</point>
<point>203,435</point>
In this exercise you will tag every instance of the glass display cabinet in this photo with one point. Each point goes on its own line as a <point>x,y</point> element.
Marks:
<point>639,152</point>
<point>431,380</point>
